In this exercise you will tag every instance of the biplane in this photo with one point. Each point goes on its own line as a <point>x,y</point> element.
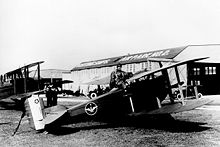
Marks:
<point>17,83</point>
<point>146,93</point>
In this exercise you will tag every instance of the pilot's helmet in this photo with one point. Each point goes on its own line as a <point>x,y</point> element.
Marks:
<point>119,65</point>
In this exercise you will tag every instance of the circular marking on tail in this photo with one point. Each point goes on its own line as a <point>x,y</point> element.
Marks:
<point>91,108</point>
<point>36,101</point>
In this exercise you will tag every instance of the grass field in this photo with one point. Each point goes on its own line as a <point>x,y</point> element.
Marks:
<point>200,127</point>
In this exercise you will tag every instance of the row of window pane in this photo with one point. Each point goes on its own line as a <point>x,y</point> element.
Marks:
<point>208,71</point>
<point>196,82</point>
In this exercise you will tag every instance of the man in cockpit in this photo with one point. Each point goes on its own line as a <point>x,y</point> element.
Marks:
<point>118,77</point>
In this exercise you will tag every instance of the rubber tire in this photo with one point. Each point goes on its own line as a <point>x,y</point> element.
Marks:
<point>93,95</point>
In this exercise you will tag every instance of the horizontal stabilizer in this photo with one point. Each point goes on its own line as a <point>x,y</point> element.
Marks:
<point>19,97</point>
<point>54,113</point>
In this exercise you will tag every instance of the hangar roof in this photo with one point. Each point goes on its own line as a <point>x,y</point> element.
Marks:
<point>170,53</point>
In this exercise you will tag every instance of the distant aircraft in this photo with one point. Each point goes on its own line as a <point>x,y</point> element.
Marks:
<point>145,93</point>
<point>17,83</point>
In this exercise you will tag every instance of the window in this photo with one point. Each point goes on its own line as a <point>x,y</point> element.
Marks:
<point>130,68</point>
<point>196,71</point>
<point>127,67</point>
<point>196,82</point>
<point>144,65</point>
<point>210,70</point>
<point>134,67</point>
<point>149,65</point>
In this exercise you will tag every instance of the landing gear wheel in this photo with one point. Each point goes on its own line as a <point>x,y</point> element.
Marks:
<point>199,95</point>
<point>178,96</point>
<point>93,95</point>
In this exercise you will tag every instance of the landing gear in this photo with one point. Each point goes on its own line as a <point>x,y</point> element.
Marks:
<point>188,93</point>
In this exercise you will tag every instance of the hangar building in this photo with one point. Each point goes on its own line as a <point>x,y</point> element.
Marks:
<point>205,73</point>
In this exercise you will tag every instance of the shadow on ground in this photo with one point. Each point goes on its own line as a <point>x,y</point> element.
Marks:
<point>161,122</point>
<point>11,105</point>
<point>165,123</point>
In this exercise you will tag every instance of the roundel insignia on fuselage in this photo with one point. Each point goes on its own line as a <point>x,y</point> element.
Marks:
<point>91,108</point>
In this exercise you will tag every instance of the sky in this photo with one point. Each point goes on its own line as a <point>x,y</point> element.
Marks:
<point>64,33</point>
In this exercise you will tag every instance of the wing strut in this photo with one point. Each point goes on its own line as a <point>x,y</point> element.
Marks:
<point>131,101</point>
<point>179,85</point>
<point>132,106</point>
<point>158,102</point>
<point>14,83</point>
<point>38,75</point>
<point>165,73</point>
<point>25,79</point>
<point>196,91</point>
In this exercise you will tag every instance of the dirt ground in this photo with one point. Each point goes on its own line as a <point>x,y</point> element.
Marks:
<point>199,127</point>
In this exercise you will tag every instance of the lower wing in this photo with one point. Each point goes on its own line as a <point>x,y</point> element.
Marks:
<point>177,107</point>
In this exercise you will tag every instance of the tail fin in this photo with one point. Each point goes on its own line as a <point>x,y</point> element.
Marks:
<point>35,111</point>
<point>38,116</point>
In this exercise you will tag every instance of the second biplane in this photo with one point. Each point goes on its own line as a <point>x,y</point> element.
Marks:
<point>145,93</point>
<point>18,83</point>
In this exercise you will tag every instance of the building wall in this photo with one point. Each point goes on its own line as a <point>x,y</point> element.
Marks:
<point>206,76</point>
<point>193,51</point>
<point>205,73</point>
<point>67,76</point>
<point>84,76</point>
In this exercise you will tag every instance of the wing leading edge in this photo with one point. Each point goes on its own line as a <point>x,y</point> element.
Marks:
<point>143,74</point>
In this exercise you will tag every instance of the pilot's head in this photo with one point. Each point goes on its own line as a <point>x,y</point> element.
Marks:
<point>119,66</point>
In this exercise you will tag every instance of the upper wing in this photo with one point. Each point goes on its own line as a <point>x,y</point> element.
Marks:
<point>23,67</point>
<point>22,72</point>
<point>106,80</point>
<point>143,74</point>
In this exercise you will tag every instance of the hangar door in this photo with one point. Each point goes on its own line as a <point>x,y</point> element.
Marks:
<point>206,76</point>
